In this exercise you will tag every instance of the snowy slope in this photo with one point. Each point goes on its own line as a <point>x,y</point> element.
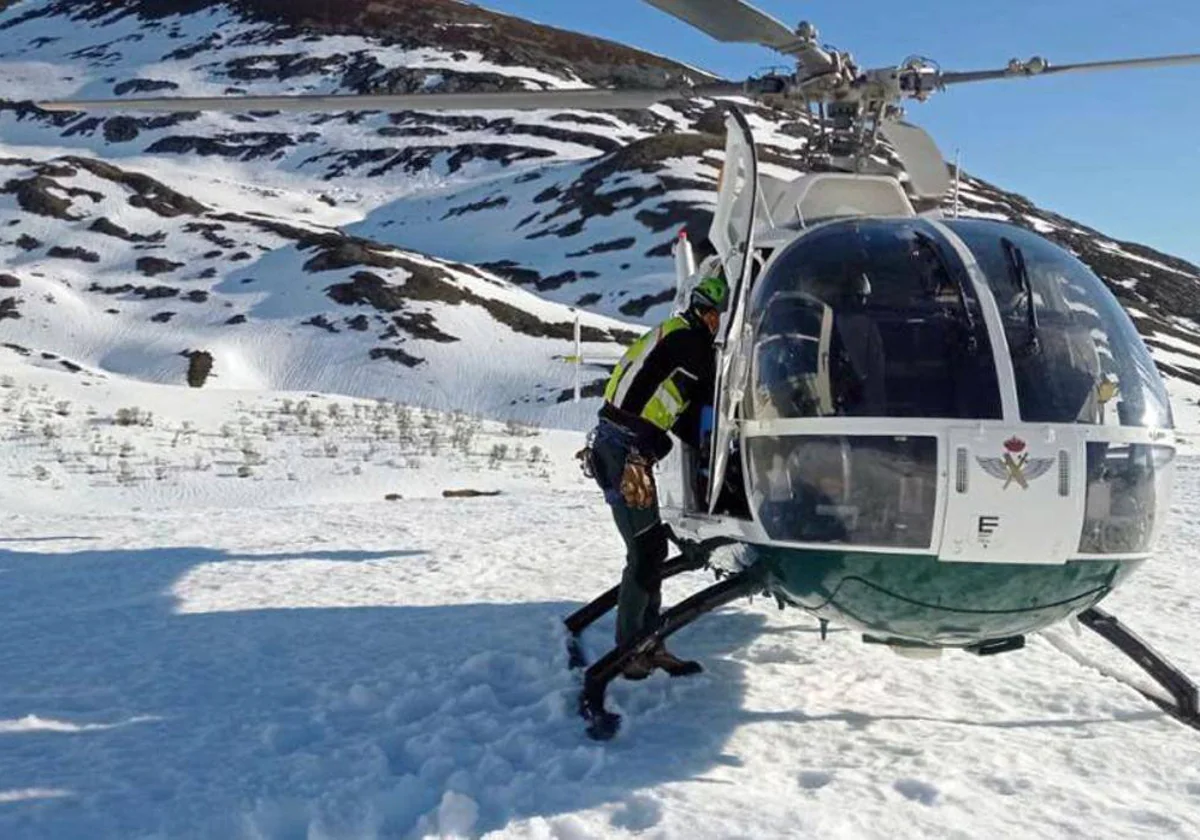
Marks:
<point>250,611</point>
<point>195,652</point>
<point>571,208</point>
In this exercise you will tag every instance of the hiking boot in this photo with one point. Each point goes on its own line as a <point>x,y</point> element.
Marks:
<point>637,668</point>
<point>662,658</point>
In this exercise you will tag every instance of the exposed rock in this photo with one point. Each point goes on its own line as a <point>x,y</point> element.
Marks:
<point>196,296</point>
<point>143,86</point>
<point>421,325</point>
<point>109,228</point>
<point>144,292</point>
<point>639,306</point>
<point>371,289</point>
<point>501,39</point>
<point>211,232</point>
<point>348,253</point>
<point>236,319</point>
<point>121,129</point>
<point>673,215</point>
<point>8,281</point>
<point>154,266</point>
<point>244,146</point>
<point>200,365</point>
<point>27,243</point>
<point>82,254</point>
<point>8,308</point>
<point>396,355</point>
<point>320,321</point>
<point>605,247</point>
<point>34,196</point>
<point>513,272</point>
<point>557,281</point>
<point>162,317</point>
<point>590,390</point>
<point>469,494</point>
<point>486,204</point>
<point>147,192</point>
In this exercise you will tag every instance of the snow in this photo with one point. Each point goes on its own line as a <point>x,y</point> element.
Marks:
<point>251,611</point>
<point>290,654</point>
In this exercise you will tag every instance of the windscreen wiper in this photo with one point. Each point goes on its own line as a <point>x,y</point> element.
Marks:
<point>1019,273</point>
<point>929,245</point>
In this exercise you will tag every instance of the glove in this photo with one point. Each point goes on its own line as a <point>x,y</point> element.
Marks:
<point>586,464</point>
<point>637,482</point>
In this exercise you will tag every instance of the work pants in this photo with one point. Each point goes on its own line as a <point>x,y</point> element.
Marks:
<point>645,539</point>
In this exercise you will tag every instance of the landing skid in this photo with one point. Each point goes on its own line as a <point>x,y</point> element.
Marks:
<point>602,724</point>
<point>586,615</point>
<point>1184,707</point>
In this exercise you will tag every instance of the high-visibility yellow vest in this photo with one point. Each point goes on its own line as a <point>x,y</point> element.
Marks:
<point>666,403</point>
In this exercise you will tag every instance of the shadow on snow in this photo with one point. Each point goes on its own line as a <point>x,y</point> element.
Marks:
<point>270,722</point>
<point>121,716</point>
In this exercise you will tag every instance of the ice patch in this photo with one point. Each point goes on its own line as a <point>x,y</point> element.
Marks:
<point>28,794</point>
<point>33,723</point>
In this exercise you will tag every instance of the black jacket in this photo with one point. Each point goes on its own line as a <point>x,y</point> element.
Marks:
<point>688,358</point>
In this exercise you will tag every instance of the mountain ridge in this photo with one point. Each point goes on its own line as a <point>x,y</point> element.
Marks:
<point>561,210</point>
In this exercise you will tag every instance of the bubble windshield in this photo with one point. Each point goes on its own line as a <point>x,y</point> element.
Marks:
<point>1076,354</point>
<point>870,318</point>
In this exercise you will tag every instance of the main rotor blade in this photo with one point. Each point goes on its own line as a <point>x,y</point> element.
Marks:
<point>731,21</point>
<point>512,100</point>
<point>1026,72</point>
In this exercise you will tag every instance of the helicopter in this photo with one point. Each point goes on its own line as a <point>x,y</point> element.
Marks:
<point>943,432</point>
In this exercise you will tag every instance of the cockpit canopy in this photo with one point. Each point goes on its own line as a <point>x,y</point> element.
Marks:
<point>883,318</point>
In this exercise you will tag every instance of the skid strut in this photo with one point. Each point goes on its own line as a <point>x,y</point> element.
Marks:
<point>602,724</point>
<point>1182,690</point>
<point>586,615</point>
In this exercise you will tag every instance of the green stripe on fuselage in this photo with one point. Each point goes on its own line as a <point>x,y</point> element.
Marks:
<point>917,598</point>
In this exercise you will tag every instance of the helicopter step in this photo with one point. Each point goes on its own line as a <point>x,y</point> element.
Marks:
<point>602,724</point>
<point>1185,708</point>
<point>588,614</point>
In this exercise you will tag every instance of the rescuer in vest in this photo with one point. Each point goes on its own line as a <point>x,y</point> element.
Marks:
<point>661,385</point>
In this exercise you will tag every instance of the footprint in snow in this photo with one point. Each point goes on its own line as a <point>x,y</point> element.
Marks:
<point>638,813</point>
<point>1006,787</point>
<point>917,791</point>
<point>815,779</point>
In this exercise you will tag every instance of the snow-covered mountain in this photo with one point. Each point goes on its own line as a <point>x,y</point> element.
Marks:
<point>433,258</point>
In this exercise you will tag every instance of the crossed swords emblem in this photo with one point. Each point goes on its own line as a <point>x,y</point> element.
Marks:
<point>1016,468</point>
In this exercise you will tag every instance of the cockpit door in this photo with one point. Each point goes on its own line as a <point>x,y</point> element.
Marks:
<point>732,235</point>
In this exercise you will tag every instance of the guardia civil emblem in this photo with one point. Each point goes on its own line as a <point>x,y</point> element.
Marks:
<point>1016,467</point>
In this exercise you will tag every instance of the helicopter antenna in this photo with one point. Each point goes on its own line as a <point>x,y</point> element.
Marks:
<point>957,179</point>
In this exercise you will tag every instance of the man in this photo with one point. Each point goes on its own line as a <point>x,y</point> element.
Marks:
<point>661,385</point>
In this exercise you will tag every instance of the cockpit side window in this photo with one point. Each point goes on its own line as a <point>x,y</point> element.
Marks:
<point>870,318</point>
<point>1076,355</point>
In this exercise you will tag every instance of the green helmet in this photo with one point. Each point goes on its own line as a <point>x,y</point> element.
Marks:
<point>711,292</point>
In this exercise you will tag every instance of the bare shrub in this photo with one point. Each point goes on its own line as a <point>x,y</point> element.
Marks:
<point>498,454</point>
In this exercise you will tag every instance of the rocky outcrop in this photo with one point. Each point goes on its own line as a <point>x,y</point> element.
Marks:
<point>200,365</point>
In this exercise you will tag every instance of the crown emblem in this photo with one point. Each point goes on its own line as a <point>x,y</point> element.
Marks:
<point>1016,467</point>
